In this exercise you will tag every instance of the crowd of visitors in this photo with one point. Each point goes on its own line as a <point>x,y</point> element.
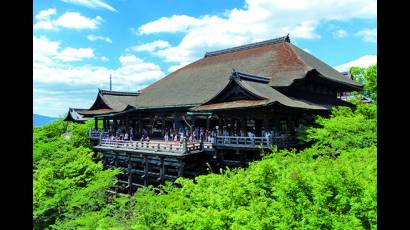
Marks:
<point>196,134</point>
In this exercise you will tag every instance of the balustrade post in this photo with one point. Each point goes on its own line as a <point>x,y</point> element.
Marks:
<point>185,145</point>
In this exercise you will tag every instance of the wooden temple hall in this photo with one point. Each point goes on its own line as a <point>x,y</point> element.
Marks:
<point>219,110</point>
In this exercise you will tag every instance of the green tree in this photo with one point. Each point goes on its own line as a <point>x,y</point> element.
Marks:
<point>68,183</point>
<point>287,189</point>
<point>368,77</point>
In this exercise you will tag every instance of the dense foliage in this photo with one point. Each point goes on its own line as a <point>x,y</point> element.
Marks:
<point>287,189</point>
<point>67,182</point>
<point>331,184</point>
<point>368,77</point>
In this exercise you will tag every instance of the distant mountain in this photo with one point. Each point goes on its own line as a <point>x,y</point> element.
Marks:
<point>39,120</point>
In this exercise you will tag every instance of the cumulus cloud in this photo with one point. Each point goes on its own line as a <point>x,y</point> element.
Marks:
<point>93,38</point>
<point>150,47</point>
<point>93,4</point>
<point>176,23</point>
<point>49,66</point>
<point>368,35</point>
<point>74,20</point>
<point>53,75</point>
<point>70,20</point>
<point>72,54</point>
<point>364,61</point>
<point>257,20</point>
<point>45,14</point>
<point>47,52</point>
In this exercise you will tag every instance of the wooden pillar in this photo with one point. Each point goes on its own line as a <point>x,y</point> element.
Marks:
<point>129,174</point>
<point>139,128</point>
<point>175,122</point>
<point>242,158</point>
<point>105,161</point>
<point>243,126</point>
<point>185,144</point>
<point>163,125</point>
<point>126,123</point>
<point>95,123</point>
<point>115,124</point>
<point>220,124</point>
<point>181,168</point>
<point>221,160</point>
<point>151,122</point>
<point>116,159</point>
<point>145,170</point>
<point>208,123</point>
<point>265,123</point>
<point>161,170</point>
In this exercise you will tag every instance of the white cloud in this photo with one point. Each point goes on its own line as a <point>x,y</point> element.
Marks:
<point>92,37</point>
<point>150,47</point>
<point>340,33</point>
<point>74,20</point>
<point>258,20</point>
<point>72,54</point>
<point>71,20</point>
<point>364,61</point>
<point>176,23</point>
<point>368,35</point>
<point>94,4</point>
<point>50,67</point>
<point>58,86</point>
<point>45,14</point>
<point>46,52</point>
<point>44,25</point>
<point>133,72</point>
<point>104,58</point>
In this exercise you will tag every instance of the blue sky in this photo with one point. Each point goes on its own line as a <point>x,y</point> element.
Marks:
<point>77,44</point>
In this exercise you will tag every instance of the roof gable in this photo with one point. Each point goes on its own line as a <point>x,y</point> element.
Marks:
<point>236,90</point>
<point>100,103</point>
<point>74,116</point>
<point>326,71</point>
<point>114,100</point>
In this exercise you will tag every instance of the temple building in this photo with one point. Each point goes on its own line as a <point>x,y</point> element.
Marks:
<point>221,109</point>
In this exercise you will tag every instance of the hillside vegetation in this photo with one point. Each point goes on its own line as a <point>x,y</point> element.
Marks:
<point>331,184</point>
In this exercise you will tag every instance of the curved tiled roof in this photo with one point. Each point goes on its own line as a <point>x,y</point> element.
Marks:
<point>267,96</point>
<point>74,115</point>
<point>264,66</point>
<point>277,60</point>
<point>113,101</point>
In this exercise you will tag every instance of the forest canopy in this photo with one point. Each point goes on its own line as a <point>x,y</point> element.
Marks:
<point>330,184</point>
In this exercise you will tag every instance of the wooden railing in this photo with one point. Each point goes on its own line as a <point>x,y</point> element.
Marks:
<point>280,141</point>
<point>97,134</point>
<point>152,146</point>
